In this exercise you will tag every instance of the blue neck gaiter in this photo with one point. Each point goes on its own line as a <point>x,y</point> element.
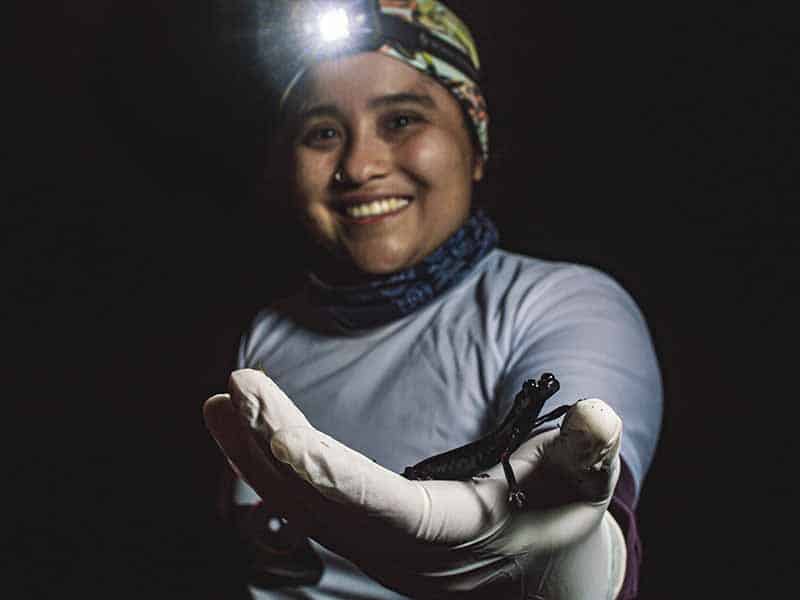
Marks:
<point>382,299</point>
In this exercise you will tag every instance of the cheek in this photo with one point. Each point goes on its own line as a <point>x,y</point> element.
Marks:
<point>308,180</point>
<point>439,157</point>
<point>308,190</point>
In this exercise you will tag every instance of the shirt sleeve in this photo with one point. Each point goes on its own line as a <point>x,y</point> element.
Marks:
<point>248,342</point>
<point>581,325</point>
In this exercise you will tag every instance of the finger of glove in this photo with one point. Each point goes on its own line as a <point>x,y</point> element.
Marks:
<point>247,457</point>
<point>555,516</point>
<point>527,459</point>
<point>263,405</point>
<point>483,502</point>
<point>586,452</point>
<point>345,476</point>
<point>449,512</point>
<point>551,468</point>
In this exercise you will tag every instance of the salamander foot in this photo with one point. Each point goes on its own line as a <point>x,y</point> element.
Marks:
<point>517,498</point>
<point>415,475</point>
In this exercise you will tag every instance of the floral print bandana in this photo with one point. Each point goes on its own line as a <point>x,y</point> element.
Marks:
<point>443,24</point>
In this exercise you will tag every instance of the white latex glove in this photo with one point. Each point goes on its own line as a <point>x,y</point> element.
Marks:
<point>427,539</point>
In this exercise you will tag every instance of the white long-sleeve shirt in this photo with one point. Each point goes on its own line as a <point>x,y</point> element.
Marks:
<point>446,374</point>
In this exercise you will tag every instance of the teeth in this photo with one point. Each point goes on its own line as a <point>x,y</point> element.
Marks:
<point>379,207</point>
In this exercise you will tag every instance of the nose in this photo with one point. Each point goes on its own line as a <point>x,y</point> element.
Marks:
<point>366,157</point>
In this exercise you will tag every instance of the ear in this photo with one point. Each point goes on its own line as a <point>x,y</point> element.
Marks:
<point>477,169</point>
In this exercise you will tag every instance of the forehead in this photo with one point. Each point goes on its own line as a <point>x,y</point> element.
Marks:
<point>354,81</point>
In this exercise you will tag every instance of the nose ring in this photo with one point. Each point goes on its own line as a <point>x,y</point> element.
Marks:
<point>339,176</point>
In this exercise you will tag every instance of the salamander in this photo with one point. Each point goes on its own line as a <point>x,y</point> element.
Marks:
<point>471,460</point>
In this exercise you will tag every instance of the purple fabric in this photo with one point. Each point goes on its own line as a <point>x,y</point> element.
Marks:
<point>622,508</point>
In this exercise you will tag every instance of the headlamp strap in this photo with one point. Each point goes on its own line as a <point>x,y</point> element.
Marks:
<point>412,37</point>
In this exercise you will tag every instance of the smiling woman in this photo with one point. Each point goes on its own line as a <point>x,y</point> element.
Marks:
<point>412,334</point>
<point>382,164</point>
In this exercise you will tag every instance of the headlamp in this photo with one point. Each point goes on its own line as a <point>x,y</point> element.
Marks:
<point>334,25</point>
<point>329,28</point>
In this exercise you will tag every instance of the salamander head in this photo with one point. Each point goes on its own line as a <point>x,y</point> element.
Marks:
<point>548,382</point>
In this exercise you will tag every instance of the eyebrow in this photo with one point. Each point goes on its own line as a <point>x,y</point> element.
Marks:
<point>402,98</point>
<point>320,110</point>
<point>331,110</point>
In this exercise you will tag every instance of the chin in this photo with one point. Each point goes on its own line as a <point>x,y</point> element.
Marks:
<point>378,264</point>
<point>382,268</point>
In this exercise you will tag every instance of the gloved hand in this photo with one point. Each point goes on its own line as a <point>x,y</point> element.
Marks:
<point>427,539</point>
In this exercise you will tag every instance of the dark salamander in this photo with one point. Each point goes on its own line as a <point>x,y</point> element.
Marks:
<point>474,458</point>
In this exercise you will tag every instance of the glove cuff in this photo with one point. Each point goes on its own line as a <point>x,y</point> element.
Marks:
<point>618,552</point>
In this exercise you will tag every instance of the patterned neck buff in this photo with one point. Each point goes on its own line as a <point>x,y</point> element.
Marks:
<point>385,298</point>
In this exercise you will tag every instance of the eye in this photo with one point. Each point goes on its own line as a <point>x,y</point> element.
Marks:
<point>401,121</point>
<point>320,136</point>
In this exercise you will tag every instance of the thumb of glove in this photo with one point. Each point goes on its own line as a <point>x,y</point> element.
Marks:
<point>348,478</point>
<point>263,405</point>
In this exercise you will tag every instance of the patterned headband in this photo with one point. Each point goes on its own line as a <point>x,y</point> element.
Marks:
<point>428,36</point>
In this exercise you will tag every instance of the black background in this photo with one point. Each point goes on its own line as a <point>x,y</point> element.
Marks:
<point>653,142</point>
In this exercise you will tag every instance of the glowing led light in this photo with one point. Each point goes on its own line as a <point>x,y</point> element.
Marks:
<point>334,25</point>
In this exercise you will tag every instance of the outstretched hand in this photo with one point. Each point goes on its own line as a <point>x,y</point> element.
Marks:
<point>425,538</point>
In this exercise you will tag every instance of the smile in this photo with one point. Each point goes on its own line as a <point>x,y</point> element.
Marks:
<point>375,208</point>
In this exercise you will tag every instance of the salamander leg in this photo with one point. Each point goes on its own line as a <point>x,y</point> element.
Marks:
<point>416,475</point>
<point>515,495</point>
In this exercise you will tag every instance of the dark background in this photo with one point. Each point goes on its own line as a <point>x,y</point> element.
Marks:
<point>652,142</point>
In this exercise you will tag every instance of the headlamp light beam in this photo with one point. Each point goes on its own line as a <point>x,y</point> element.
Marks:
<point>334,25</point>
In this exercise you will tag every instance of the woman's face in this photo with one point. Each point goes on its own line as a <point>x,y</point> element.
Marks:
<point>400,141</point>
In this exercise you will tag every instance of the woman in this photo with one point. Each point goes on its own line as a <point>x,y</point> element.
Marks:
<point>413,336</point>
